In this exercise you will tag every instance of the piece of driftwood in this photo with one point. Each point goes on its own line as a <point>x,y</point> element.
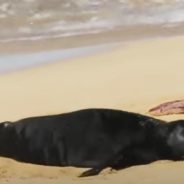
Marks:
<point>172,107</point>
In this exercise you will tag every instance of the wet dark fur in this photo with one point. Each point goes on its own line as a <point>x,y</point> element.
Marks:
<point>92,138</point>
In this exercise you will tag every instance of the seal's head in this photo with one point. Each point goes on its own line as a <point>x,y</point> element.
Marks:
<point>4,124</point>
<point>4,130</point>
<point>175,139</point>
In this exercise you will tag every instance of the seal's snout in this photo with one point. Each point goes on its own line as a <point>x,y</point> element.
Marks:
<point>5,124</point>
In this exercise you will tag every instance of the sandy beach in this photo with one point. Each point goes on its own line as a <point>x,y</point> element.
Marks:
<point>134,77</point>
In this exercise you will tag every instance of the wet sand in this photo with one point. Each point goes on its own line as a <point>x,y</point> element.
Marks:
<point>134,78</point>
<point>122,34</point>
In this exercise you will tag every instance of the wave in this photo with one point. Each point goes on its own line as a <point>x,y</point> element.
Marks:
<point>37,19</point>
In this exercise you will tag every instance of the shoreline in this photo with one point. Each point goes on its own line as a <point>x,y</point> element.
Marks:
<point>118,35</point>
<point>36,59</point>
<point>44,52</point>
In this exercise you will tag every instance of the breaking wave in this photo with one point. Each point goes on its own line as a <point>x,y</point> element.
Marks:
<point>40,19</point>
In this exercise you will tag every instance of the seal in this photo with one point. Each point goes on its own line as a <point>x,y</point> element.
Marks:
<point>92,138</point>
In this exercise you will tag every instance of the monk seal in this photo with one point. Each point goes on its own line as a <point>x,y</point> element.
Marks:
<point>92,138</point>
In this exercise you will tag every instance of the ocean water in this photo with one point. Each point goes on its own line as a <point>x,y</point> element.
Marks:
<point>33,20</point>
<point>40,19</point>
<point>19,61</point>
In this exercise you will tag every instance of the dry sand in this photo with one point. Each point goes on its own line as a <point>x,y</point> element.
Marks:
<point>134,78</point>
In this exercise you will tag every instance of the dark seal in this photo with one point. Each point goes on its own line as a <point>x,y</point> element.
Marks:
<point>92,138</point>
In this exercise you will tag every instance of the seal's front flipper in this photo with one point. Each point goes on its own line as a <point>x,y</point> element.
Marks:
<point>91,172</point>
